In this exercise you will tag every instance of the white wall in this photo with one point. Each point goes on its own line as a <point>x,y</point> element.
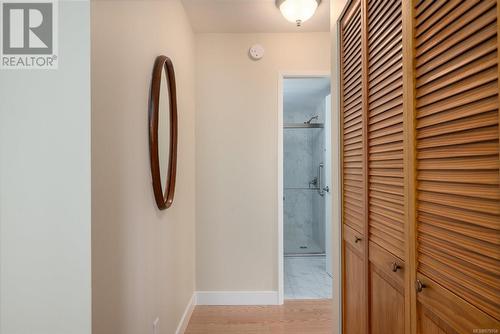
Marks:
<point>236,154</point>
<point>143,258</point>
<point>45,188</point>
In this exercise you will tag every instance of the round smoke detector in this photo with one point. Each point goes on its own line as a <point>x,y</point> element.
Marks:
<point>256,52</point>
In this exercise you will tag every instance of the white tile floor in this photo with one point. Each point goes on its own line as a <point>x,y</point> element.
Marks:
<point>306,278</point>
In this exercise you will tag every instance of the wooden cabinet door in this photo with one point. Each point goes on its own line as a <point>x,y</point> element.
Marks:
<point>457,166</point>
<point>421,166</point>
<point>385,166</point>
<point>355,262</point>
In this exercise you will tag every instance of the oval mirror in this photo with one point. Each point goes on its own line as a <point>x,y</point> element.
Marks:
<point>163,131</point>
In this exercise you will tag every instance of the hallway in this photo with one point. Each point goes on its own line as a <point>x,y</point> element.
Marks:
<point>294,317</point>
<point>250,167</point>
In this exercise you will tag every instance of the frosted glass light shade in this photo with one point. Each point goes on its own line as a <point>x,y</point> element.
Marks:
<point>298,11</point>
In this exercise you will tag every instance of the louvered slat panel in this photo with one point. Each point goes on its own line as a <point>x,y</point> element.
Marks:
<point>385,128</point>
<point>352,114</point>
<point>458,193</point>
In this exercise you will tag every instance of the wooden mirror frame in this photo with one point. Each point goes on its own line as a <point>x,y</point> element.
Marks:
<point>163,196</point>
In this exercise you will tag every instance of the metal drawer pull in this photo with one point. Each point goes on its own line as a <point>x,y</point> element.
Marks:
<point>419,286</point>
<point>357,239</point>
<point>395,266</point>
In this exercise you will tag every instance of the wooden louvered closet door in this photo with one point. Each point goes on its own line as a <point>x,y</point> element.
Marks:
<point>420,166</point>
<point>385,166</point>
<point>457,166</point>
<point>355,310</point>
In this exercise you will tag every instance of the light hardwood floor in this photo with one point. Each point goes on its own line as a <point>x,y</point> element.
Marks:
<point>294,317</point>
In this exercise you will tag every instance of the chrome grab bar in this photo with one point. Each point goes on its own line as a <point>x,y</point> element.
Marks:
<point>321,191</point>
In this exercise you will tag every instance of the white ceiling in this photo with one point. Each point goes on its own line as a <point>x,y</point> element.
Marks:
<point>304,93</point>
<point>249,16</point>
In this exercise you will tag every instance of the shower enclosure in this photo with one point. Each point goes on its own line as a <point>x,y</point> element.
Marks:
<point>303,164</point>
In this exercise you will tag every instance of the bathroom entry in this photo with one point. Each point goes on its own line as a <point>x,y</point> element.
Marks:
<point>306,187</point>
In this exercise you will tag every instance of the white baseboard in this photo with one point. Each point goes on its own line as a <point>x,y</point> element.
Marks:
<point>237,298</point>
<point>187,315</point>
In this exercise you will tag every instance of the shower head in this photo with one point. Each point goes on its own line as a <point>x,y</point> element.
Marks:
<point>310,119</point>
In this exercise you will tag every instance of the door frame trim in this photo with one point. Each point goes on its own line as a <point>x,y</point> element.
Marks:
<point>280,193</point>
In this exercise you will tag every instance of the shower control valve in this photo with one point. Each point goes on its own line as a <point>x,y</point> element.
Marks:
<point>327,189</point>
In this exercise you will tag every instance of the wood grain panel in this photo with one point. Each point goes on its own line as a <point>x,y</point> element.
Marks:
<point>385,129</point>
<point>387,291</point>
<point>457,142</point>
<point>355,299</point>
<point>352,114</point>
<point>429,323</point>
<point>387,306</point>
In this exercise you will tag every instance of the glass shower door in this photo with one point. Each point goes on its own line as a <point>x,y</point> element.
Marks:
<point>304,207</point>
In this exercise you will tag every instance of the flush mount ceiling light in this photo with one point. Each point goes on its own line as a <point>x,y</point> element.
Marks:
<point>297,11</point>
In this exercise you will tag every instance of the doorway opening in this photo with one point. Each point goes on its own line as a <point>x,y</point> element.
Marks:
<point>305,174</point>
